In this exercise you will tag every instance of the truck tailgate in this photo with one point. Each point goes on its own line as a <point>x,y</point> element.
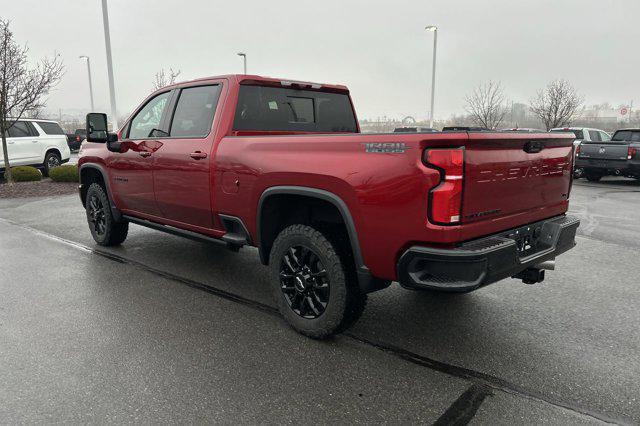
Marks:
<point>510,173</point>
<point>604,151</point>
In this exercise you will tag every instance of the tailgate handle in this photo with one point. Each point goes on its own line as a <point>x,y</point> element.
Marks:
<point>533,146</point>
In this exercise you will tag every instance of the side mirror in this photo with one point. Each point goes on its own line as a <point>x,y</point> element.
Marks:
<point>97,127</point>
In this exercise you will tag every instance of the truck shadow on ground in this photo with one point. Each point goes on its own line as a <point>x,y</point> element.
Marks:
<point>442,325</point>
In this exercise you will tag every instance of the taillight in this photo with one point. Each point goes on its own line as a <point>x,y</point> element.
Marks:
<point>577,150</point>
<point>77,138</point>
<point>631,152</point>
<point>445,200</point>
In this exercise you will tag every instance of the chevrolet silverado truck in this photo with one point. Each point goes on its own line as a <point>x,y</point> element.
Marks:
<point>618,156</point>
<point>335,214</point>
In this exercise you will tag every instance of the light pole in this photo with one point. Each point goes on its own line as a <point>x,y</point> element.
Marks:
<point>90,84</point>
<point>434,29</point>
<point>244,58</point>
<point>107,43</point>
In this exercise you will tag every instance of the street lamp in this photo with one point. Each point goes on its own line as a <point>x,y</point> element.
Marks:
<point>244,58</point>
<point>90,84</point>
<point>434,29</point>
<point>107,44</point>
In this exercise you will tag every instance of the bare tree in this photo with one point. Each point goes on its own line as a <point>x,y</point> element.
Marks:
<point>22,90</point>
<point>34,113</point>
<point>163,79</point>
<point>486,105</point>
<point>557,104</point>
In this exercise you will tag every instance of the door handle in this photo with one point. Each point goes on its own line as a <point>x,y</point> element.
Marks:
<point>144,154</point>
<point>34,141</point>
<point>198,155</point>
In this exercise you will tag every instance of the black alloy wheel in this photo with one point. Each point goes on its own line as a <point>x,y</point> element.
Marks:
<point>96,215</point>
<point>304,282</point>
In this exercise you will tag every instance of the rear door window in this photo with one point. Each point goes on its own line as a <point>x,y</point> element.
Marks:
<point>194,112</point>
<point>262,108</point>
<point>50,128</point>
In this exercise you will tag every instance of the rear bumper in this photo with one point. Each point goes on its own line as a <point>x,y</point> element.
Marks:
<point>484,261</point>
<point>628,167</point>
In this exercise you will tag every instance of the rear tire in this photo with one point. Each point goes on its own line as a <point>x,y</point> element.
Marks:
<point>51,160</point>
<point>592,176</point>
<point>104,228</point>
<point>314,286</point>
<point>578,173</point>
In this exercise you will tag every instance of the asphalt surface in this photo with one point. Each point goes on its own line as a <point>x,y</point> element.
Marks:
<point>164,329</point>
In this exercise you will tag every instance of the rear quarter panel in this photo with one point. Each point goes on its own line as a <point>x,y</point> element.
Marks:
<point>384,192</point>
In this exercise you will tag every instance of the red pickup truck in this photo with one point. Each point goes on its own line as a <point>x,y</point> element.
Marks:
<point>336,214</point>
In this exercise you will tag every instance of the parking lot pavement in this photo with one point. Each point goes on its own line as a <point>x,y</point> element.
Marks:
<point>133,328</point>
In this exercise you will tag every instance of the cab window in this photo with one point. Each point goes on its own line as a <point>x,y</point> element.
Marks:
<point>594,135</point>
<point>148,119</point>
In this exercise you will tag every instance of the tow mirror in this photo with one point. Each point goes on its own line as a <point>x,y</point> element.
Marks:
<point>97,131</point>
<point>97,127</point>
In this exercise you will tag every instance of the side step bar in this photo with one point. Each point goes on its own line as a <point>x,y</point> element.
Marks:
<point>236,236</point>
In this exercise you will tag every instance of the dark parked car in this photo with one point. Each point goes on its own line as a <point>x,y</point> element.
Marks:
<point>619,156</point>
<point>74,140</point>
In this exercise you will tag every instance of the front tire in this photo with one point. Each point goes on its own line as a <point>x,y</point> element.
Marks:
<point>314,283</point>
<point>51,161</point>
<point>104,228</point>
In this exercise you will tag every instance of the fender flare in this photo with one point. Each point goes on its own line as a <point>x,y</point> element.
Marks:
<point>366,281</point>
<point>117,215</point>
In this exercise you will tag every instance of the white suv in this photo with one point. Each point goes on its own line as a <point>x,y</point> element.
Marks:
<point>38,143</point>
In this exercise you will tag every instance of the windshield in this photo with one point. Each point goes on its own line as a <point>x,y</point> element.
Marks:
<point>627,135</point>
<point>579,134</point>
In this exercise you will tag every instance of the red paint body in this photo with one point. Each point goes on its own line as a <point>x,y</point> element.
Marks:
<point>386,193</point>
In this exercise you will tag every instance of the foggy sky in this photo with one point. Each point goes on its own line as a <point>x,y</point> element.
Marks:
<point>377,48</point>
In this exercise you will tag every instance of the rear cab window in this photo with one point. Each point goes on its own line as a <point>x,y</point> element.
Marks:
<point>626,135</point>
<point>283,109</point>
<point>50,128</point>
